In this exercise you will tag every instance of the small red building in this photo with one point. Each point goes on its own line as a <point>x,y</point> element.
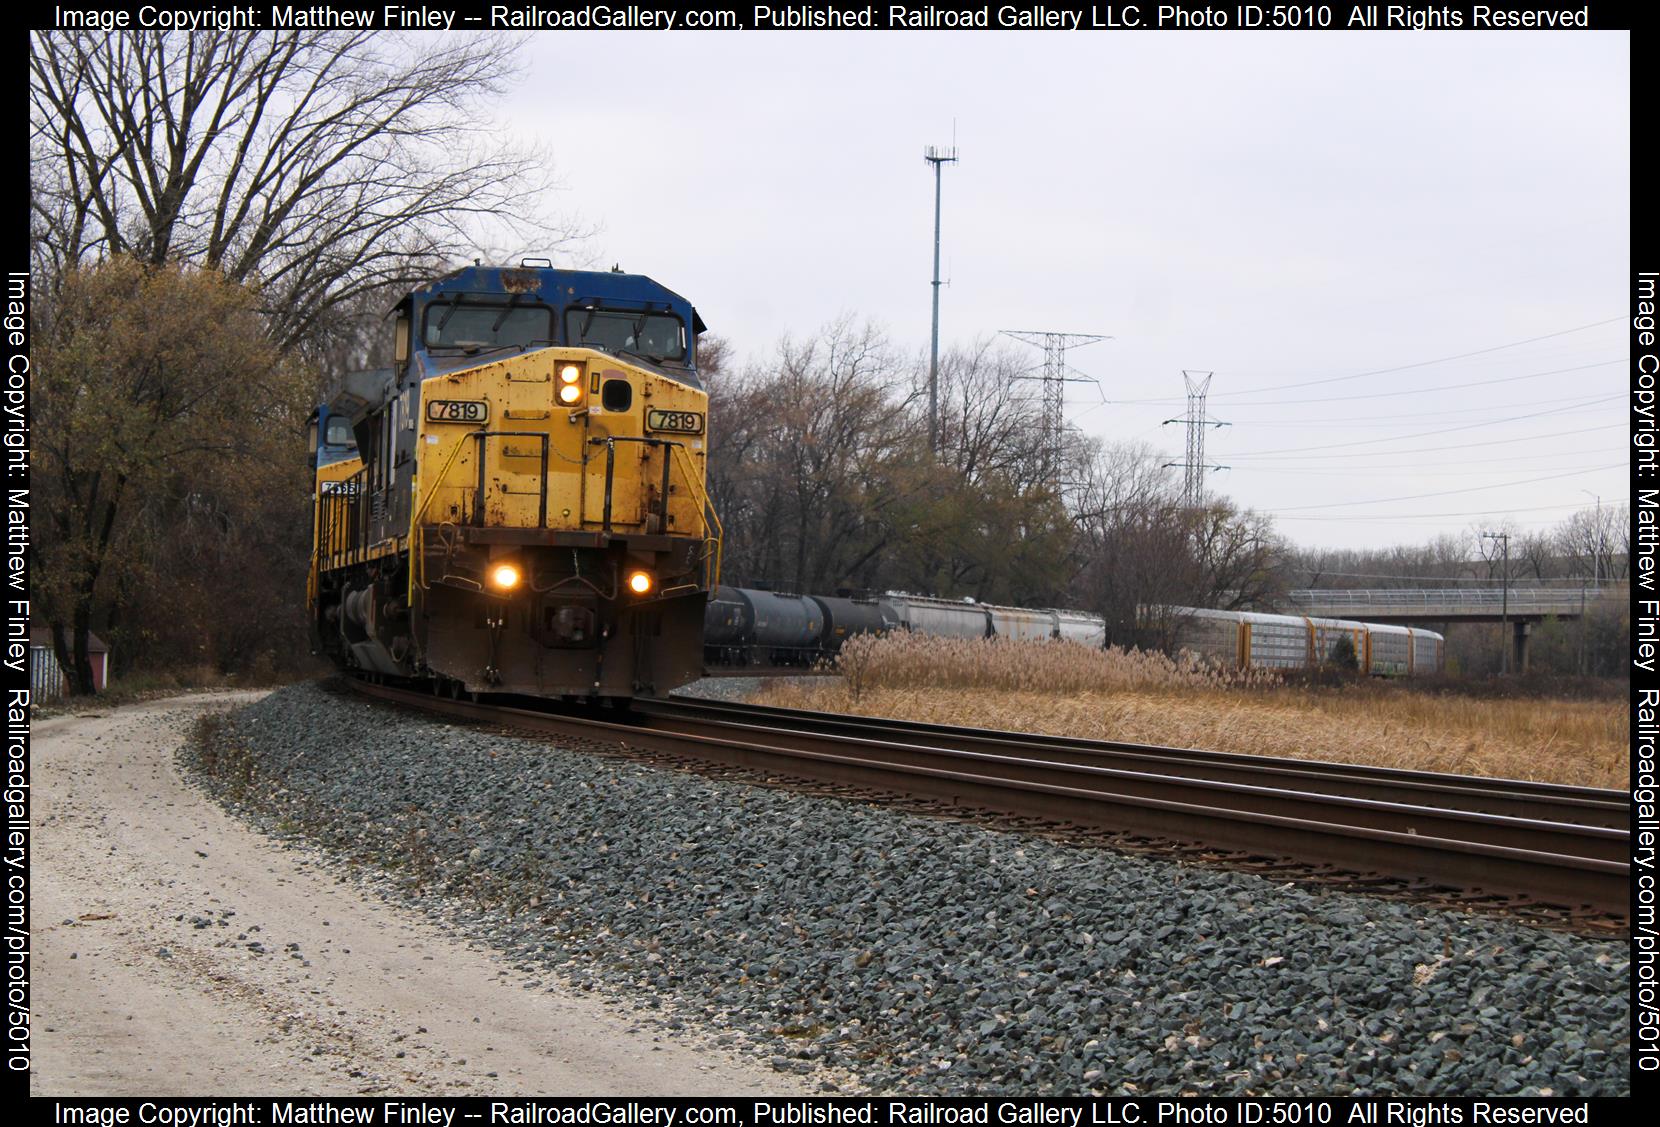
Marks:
<point>46,677</point>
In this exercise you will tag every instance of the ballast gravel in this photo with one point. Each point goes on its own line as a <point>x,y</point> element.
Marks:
<point>921,955</point>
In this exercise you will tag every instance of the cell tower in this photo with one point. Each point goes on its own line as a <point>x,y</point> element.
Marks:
<point>938,158</point>
<point>1054,379</point>
<point>1193,482</point>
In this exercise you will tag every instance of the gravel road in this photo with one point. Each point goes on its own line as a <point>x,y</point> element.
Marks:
<point>924,955</point>
<point>177,951</point>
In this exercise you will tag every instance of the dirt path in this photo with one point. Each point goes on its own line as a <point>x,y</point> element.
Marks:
<point>176,951</point>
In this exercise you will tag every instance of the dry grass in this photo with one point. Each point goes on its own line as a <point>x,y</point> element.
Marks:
<point>915,661</point>
<point>1061,689</point>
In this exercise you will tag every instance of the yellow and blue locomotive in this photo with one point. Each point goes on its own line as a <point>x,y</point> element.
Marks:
<point>528,514</point>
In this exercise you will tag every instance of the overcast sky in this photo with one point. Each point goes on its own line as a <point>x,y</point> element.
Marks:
<point>1276,209</point>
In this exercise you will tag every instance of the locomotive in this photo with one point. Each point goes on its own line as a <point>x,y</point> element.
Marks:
<point>518,504</point>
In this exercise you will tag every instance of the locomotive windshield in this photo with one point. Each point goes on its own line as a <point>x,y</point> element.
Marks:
<point>469,323</point>
<point>655,336</point>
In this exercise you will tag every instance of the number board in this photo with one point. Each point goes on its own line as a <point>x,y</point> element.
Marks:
<point>458,411</point>
<point>678,422</point>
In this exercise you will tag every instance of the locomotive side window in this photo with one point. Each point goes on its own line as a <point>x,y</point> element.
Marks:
<point>465,323</point>
<point>339,432</point>
<point>656,336</point>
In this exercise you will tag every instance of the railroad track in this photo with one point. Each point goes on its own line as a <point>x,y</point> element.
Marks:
<point>1567,847</point>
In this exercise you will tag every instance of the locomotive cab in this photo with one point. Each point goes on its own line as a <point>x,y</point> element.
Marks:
<point>530,514</point>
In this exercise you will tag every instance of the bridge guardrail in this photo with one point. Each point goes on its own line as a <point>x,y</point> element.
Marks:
<point>1519,597</point>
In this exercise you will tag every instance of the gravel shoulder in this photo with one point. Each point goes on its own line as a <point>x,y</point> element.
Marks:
<point>177,951</point>
<point>919,955</point>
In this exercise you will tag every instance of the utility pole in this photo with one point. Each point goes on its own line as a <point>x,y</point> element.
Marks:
<point>1596,578</point>
<point>938,158</point>
<point>1193,480</point>
<point>1596,552</point>
<point>1054,379</point>
<point>1504,605</point>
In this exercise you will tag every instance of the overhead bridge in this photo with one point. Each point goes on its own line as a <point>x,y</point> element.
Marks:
<point>1408,605</point>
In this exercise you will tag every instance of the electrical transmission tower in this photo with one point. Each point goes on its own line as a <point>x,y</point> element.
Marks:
<point>1193,483</point>
<point>1055,379</point>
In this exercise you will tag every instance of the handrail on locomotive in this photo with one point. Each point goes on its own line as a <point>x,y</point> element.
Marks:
<point>711,530</point>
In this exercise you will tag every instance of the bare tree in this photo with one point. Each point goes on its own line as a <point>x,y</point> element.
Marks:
<point>1534,554</point>
<point>986,430</point>
<point>317,166</point>
<point>1145,552</point>
<point>1597,541</point>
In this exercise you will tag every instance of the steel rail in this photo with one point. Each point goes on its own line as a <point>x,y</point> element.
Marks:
<point>1573,866</point>
<point>1518,798</point>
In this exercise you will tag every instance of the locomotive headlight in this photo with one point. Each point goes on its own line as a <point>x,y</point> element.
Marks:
<point>570,392</point>
<point>504,577</point>
<point>640,582</point>
<point>570,373</point>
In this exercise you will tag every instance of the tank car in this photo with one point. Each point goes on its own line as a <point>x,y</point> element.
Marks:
<point>529,514</point>
<point>844,618</point>
<point>728,627</point>
<point>743,627</point>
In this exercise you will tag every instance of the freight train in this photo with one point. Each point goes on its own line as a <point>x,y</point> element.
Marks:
<point>744,628</point>
<point>1246,640</point>
<point>749,629</point>
<point>518,503</point>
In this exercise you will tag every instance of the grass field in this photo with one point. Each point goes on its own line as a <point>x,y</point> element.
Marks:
<point>1061,689</point>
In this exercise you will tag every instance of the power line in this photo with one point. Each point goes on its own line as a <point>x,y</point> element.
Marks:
<point>1414,518</point>
<point>1415,434</point>
<point>1418,390</point>
<point>1573,402</point>
<point>1403,367</point>
<point>1460,446</point>
<point>1371,470</point>
<point>1448,492</point>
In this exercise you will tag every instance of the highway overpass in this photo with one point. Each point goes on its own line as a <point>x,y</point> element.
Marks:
<point>1420,605</point>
